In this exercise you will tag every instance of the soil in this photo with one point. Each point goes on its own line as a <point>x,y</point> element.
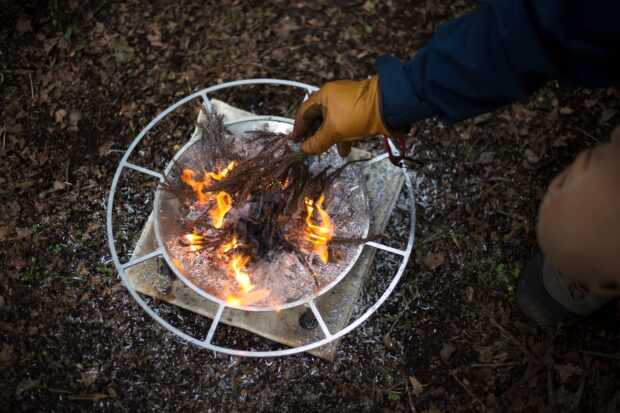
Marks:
<point>79,80</point>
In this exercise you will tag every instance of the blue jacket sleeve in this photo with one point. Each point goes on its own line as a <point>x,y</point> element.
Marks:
<point>502,51</point>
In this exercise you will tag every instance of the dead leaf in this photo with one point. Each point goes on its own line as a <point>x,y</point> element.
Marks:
<point>23,25</point>
<point>606,115</point>
<point>433,261</point>
<point>26,385</point>
<point>93,226</point>
<point>23,233</point>
<point>74,117</point>
<point>469,294</point>
<point>285,29</point>
<point>60,115</point>
<point>104,149</point>
<point>567,371</point>
<point>17,262</point>
<point>531,156</point>
<point>416,386</point>
<point>566,110</point>
<point>446,352</point>
<point>486,157</point>
<point>58,186</point>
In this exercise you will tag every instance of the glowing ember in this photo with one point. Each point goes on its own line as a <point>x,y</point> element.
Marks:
<point>318,234</point>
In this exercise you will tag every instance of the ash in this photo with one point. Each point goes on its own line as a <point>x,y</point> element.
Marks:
<point>279,277</point>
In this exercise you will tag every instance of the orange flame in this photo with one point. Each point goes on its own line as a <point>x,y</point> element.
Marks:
<point>223,205</point>
<point>318,234</point>
<point>189,178</point>
<point>194,240</point>
<point>243,279</point>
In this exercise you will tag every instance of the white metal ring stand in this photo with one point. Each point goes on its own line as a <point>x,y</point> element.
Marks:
<point>159,251</point>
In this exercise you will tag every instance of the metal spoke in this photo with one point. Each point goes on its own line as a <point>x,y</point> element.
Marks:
<point>214,323</point>
<point>319,318</point>
<point>373,161</point>
<point>206,101</point>
<point>144,170</point>
<point>386,248</point>
<point>142,258</point>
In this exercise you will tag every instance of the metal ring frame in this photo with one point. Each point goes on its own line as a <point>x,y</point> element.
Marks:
<point>159,251</point>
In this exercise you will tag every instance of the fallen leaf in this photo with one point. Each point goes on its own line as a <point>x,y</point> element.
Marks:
<point>25,385</point>
<point>58,186</point>
<point>93,226</point>
<point>486,157</point>
<point>23,232</point>
<point>416,386</point>
<point>469,294</point>
<point>531,156</point>
<point>606,115</point>
<point>566,371</point>
<point>104,149</point>
<point>446,352</point>
<point>23,25</point>
<point>285,29</point>
<point>565,110</point>
<point>74,117</point>
<point>433,261</point>
<point>17,262</point>
<point>60,115</point>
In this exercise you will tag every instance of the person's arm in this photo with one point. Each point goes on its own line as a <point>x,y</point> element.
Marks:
<point>502,51</point>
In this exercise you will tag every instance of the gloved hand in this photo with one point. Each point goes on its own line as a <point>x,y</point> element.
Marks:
<point>340,112</point>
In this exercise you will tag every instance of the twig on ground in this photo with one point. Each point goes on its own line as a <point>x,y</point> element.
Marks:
<point>512,338</point>
<point>410,397</point>
<point>475,398</point>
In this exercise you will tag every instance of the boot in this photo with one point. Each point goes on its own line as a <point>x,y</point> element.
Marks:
<point>547,297</point>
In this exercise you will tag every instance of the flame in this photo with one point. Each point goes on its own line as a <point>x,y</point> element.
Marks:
<point>237,263</point>
<point>223,205</point>
<point>220,174</point>
<point>318,234</point>
<point>194,240</point>
<point>189,178</point>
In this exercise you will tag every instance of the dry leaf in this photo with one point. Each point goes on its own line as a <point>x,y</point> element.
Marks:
<point>60,115</point>
<point>25,385</point>
<point>606,115</point>
<point>486,158</point>
<point>446,352</point>
<point>23,25</point>
<point>23,232</point>
<point>416,386</point>
<point>58,186</point>
<point>566,110</point>
<point>104,149</point>
<point>285,29</point>
<point>433,261</point>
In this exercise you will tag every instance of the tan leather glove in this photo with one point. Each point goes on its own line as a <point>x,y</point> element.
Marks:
<point>340,112</point>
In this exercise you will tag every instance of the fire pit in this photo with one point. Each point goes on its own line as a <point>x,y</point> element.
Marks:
<point>271,282</point>
<point>314,296</point>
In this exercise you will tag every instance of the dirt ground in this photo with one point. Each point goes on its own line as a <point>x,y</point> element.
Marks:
<point>78,81</point>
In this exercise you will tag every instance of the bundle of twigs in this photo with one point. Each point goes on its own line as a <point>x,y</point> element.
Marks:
<point>271,186</point>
